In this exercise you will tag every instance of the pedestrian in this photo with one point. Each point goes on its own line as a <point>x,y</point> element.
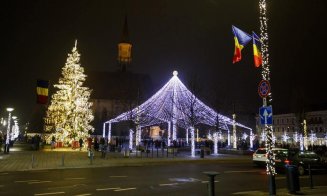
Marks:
<point>80,144</point>
<point>53,141</point>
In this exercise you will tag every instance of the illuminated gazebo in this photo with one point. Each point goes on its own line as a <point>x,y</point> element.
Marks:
<point>175,105</point>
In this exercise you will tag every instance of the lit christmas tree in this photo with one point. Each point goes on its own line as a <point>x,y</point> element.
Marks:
<point>69,114</point>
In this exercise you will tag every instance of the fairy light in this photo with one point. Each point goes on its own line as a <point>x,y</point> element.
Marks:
<point>70,113</point>
<point>172,105</point>
<point>131,139</point>
<point>285,137</point>
<point>305,134</point>
<point>296,137</point>
<point>270,166</point>
<point>313,137</point>
<point>244,136</point>
<point>252,137</point>
<point>215,142</point>
<point>192,142</point>
<point>301,142</point>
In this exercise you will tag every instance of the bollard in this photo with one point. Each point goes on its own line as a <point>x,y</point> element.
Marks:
<point>157,152</point>
<point>211,183</point>
<point>32,160</point>
<point>272,184</point>
<point>63,160</point>
<point>310,176</point>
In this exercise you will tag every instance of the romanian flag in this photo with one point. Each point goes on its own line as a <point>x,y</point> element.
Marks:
<point>241,39</point>
<point>42,90</point>
<point>256,51</point>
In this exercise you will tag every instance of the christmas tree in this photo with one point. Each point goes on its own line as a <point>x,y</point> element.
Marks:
<point>69,114</point>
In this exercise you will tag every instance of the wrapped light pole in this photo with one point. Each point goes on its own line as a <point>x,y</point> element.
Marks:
<point>265,93</point>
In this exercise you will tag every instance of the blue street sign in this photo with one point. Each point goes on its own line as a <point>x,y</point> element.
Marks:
<point>266,115</point>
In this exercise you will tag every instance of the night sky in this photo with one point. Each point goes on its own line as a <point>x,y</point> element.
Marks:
<point>191,36</point>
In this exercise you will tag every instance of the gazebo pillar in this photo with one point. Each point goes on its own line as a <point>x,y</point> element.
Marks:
<point>234,132</point>
<point>174,130</point>
<point>192,142</point>
<point>109,133</point>
<point>215,143</point>
<point>138,135</point>
<point>131,139</point>
<point>104,130</point>
<point>168,134</point>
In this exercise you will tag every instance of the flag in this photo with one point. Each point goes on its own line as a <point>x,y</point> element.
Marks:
<point>241,39</point>
<point>256,50</point>
<point>42,89</point>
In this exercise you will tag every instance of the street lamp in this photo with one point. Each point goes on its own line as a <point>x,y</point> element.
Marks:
<point>6,151</point>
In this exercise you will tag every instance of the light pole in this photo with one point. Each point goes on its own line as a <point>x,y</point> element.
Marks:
<point>6,151</point>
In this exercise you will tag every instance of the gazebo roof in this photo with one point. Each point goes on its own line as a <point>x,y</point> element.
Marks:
<point>174,102</point>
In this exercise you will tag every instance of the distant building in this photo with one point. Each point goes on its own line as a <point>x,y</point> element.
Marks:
<point>289,124</point>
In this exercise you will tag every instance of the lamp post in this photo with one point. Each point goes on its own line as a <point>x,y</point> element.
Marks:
<point>6,151</point>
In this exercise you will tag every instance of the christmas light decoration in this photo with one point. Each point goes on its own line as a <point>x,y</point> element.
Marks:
<point>313,137</point>
<point>305,134</point>
<point>131,139</point>
<point>244,136</point>
<point>263,135</point>
<point>215,143</point>
<point>296,137</point>
<point>175,104</point>
<point>252,137</point>
<point>209,136</point>
<point>69,114</point>
<point>192,142</point>
<point>301,142</point>
<point>234,132</point>
<point>285,137</point>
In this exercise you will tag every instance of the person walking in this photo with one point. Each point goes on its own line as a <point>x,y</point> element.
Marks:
<point>80,144</point>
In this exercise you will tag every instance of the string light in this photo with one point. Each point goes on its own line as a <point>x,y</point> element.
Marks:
<point>69,114</point>
<point>175,104</point>
<point>266,76</point>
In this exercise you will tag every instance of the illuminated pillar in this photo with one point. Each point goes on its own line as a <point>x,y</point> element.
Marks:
<point>131,139</point>
<point>104,130</point>
<point>109,133</point>
<point>168,134</point>
<point>228,136</point>
<point>192,142</point>
<point>305,134</point>
<point>215,144</point>
<point>138,135</point>
<point>9,110</point>
<point>234,132</point>
<point>251,139</point>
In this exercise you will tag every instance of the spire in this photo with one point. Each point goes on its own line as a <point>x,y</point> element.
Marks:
<point>125,35</point>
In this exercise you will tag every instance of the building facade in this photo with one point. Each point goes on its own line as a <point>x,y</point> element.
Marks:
<point>287,126</point>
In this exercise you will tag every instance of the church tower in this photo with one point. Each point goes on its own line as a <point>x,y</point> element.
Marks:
<point>124,49</point>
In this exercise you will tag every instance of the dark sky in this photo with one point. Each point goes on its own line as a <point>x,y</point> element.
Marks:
<point>191,36</point>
